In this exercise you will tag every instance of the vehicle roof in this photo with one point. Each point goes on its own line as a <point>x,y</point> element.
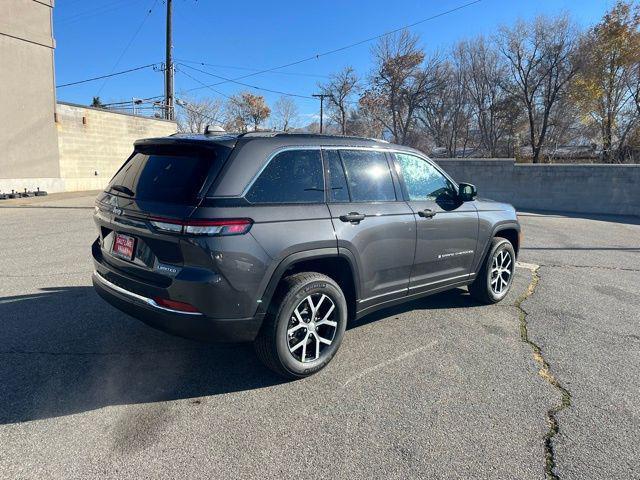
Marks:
<point>251,150</point>
<point>274,137</point>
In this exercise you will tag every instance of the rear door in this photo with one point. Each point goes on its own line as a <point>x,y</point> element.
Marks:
<point>371,221</point>
<point>287,204</point>
<point>447,229</point>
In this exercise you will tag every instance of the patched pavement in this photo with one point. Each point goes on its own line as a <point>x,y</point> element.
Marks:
<point>439,388</point>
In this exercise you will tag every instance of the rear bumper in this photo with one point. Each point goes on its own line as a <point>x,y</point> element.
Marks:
<point>189,325</point>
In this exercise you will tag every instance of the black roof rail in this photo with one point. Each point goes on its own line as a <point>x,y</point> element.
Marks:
<point>259,133</point>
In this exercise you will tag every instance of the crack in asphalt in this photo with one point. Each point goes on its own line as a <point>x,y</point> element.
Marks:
<point>545,372</point>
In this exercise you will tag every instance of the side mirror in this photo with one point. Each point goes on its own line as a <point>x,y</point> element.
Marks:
<point>467,192</point>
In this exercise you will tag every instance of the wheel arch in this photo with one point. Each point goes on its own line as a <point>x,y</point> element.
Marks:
<point>511,232</point>
<point>339,265</point>
<point>509,229</point>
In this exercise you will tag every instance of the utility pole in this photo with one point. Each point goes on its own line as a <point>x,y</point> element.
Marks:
<point>168,72</point>
<point>321,96</point>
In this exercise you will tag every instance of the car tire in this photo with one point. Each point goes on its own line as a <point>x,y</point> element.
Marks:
<point>293,339</point>
<point>484,287</point>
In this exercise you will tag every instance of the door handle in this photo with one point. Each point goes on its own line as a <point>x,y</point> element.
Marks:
<point>353,217</point>
<point>426,213</point>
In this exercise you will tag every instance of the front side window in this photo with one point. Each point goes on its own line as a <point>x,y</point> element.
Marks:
<point>368,176</point>
<point>292,176</point>
<point>423,180</point>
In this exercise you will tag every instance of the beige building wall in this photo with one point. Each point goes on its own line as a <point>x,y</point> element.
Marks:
<point>94,143</point>
<point>56,147</point>
<point>28,139</point>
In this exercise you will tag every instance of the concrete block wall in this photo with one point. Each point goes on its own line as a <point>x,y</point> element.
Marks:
<point>578,188</point>
<point>94,143</point>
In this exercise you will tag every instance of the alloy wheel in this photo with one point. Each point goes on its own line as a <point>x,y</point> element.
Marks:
<point>501,272</point>
<point>312,327</point>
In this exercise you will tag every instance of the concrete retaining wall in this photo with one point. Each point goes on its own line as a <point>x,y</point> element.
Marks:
<point>93,143</point>
<point>586,188</point>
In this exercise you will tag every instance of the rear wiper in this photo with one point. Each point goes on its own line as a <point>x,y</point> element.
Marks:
<point>123,189</point>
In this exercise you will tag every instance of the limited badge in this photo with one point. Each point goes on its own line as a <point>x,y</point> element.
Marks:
<point>167,269</point>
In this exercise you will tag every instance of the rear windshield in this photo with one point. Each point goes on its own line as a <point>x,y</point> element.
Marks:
<point>165,176</point>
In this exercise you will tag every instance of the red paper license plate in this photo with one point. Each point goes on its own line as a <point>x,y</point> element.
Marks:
<point>123,246</point>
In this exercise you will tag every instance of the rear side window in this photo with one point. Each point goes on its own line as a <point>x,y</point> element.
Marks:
<point>292,176</point>
<point>163,177</point>
<point>338,190</point>
<point>368,176</point>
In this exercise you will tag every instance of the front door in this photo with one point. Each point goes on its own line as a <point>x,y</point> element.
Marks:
<point>371,221</point>
<point>447,229</point>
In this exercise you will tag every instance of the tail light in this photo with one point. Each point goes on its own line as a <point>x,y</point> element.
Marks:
<point>221,227</point>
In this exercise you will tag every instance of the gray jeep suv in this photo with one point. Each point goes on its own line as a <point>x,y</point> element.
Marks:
<point>280,239</point>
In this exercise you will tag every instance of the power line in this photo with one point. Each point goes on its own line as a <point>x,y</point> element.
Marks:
<point>101,10</point>
<point>289,94</point>
<point>204,85</point>
<point>105,76</point>
<point>195,112</point>
<point>355,44</point>
<point>144,20</point>
<point>259,72</point>
<point>233,67</point>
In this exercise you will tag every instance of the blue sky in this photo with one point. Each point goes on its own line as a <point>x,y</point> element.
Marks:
<point>92,35</point>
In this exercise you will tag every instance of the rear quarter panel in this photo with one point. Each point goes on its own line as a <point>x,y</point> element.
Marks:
<point>278,231</point>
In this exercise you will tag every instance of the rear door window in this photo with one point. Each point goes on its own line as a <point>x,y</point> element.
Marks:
<point>292,176</point>
<point>368,176</point>
<point>163,177</point>
<point>338,190</point>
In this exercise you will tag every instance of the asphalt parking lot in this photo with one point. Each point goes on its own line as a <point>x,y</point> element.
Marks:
<point>546,381</point>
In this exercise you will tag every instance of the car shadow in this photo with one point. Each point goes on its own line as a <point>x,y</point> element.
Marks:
<point>65,351</point>
<point>455,298</point>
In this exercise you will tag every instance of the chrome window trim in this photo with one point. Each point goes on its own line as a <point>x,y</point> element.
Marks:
<point>148,301</point>
<point>381,148</point>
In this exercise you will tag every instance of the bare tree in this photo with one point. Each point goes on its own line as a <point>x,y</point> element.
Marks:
<point>493,108</point>
<point>446,114</point>
<point>365,120</point>
<point>400,83</point>
<point>541,59</point>
<point>245,110</point>
<point>196,114</point>
<point>285,112</point>
<point>340,88</point>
